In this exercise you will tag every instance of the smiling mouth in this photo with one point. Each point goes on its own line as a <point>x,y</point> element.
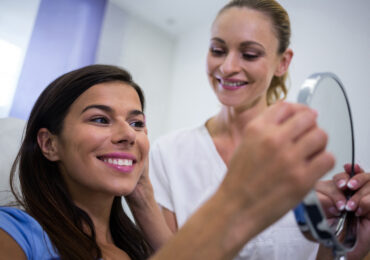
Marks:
<point>118,161</point>
<point>232,85</point>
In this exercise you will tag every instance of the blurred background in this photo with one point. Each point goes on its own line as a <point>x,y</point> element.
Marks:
<point>164,43</point>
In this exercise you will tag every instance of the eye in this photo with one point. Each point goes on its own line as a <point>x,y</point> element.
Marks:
<point>100,120</point>
<point>216,51</point>
<point>250,56</point>
<point>138,124</point>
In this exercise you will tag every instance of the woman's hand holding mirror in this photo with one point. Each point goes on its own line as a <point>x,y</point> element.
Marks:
<point>359,203</point>
<point>333,194</point>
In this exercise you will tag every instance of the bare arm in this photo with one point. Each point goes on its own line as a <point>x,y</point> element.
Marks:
<point>170,218</point>
<point>151,222</point>
<point>208,233</point>
<point>279,160</point>
<point>9,248</point>
<point>147,213</point>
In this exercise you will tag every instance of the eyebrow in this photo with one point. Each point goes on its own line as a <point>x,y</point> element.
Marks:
<point>243,44</point>
<point>108,109</point>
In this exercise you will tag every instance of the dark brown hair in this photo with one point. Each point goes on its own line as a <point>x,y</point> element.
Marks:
<point>281,26</point>
<point>43,193</point>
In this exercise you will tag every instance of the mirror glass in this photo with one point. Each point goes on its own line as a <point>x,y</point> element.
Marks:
<point>325,93</point>
<point>334,117</point>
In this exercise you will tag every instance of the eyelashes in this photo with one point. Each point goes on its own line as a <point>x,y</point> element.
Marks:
<point>249,56</point>
<point>100,120</point>
<point>216,51</point>
<point>104,121</point>
<point>139,124</point>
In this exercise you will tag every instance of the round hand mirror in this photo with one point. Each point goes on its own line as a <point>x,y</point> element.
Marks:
<point>325,93</point>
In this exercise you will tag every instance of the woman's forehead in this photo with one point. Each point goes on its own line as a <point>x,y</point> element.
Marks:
<point>115,94</point>
<point>244,24</point>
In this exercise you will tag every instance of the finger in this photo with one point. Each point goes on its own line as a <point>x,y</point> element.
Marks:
<point>354,201</point>
<point>358,181</point>
<point>312,142</point>
<point>356,168</point>
<point>331,191</point>
<point>299,124</point>
<point>363,207</point>
<point>280,111</point>
<point>319,164</point>
<point>327,205</point>
<point>341,180</point>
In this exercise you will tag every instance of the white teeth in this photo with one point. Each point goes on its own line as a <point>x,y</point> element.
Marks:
<point>233,84</point>
<point>117,161</point>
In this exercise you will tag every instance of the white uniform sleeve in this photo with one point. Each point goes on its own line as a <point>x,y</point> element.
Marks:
<point>159,177</point>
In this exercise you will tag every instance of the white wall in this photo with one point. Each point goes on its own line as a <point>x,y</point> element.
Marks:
<point>16,23</point>
<point>192,100</point>
<point>330,35</point>
<point>147,53</point>
<point>335,36</point>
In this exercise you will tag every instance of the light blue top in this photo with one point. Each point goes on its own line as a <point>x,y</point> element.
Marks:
<point>28,233</point>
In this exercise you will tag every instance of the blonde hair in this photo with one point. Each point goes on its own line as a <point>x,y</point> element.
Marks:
<point>281,27</point>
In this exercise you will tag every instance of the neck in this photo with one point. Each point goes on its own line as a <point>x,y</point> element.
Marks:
<point>98,209</point>
<point>232,121</point>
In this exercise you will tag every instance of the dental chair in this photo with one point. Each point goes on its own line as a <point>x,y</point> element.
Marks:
<point>11,132</point>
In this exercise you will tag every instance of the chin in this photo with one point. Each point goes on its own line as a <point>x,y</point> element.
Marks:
<point>241,101</point>
<point>122,190</point>
<point>229,101</point>
<point>126,192</point>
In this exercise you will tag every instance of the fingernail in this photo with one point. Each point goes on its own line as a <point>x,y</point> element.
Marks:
<point>359,168</point>
<point>358,212</point>
<point>352,184</point>
<point>340,205</point>
<point>341,183</point>
<point>334,211</point>
<point>350,206</point>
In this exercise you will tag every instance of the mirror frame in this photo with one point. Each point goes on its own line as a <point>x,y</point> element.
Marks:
<point>309,214</point>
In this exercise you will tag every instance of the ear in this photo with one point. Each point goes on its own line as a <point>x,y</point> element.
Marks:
<point>48,144</point>
<point>284,62</point>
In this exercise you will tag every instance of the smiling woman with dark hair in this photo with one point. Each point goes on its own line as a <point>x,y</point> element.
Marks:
<point>62,155</point>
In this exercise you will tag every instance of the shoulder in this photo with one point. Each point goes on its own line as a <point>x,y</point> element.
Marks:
<point>26,231</point>
<point>181,138</point>
<point>16,217</point>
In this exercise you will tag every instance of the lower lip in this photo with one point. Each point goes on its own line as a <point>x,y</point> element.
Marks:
<point>232,87</point>
<point>120,168</point>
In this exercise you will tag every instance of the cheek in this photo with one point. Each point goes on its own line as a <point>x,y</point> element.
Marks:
<point>95,137</point>
<point>211,64</point>
<point>143,144</point>
<point>264,71</point>
<point>88,142</point>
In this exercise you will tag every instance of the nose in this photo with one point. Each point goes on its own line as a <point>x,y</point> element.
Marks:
<point>123,134</point>
<point>231,64</point>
